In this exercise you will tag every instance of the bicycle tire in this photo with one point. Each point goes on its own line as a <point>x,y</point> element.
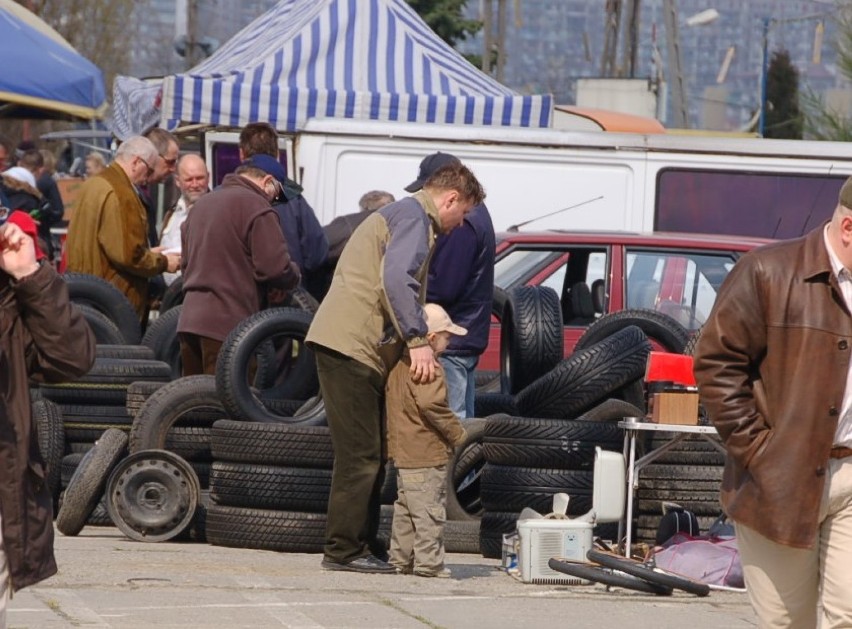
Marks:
<point>638,569</point>
<point>600,574</point>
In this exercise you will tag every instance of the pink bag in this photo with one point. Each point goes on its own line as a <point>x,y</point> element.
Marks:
<point>711,560</point>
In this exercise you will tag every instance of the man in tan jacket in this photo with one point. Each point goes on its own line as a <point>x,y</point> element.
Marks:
<point>107,236</point>
<point>373,309</point>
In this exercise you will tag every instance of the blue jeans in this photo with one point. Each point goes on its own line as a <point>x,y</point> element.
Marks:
<point>461,386</point>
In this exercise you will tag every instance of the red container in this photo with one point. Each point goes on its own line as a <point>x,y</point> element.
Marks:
<point>667,367</point>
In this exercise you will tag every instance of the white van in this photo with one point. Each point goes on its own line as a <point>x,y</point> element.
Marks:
<point>574,180</point>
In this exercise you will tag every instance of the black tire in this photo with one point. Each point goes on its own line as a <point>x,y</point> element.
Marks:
<point>87,484</point>
<point>69,465</point>
<point>599,574</point>
<point>461,536</point>
<point>562,444</point>
<point>642,571</point>
<point>162,337</point>
<point>125,352</point>
<point>236,356</point>
<point>82,393</point>
<point>505,488</point>
<point>264,529</point>
<point>487,381</point>
<point>531,336</point>
<point>152,495</point>
<point>104,329</point>
<point>190,442</point>
<point>272,444</point>
<point>657,326</point>
<point>47,420</point>
<point>118,371</point>
<point>492,527</point>
<point>103,296</point>
<point>173,295</point>
<point>463,474</point>
<point>270,487</point>
<point>96,415</point>
<point>587,376</point>
<point>485,404</point>
<point>138,392</point>
<point>611,410</point>
<point>301,299</point>
<point>168,405</point>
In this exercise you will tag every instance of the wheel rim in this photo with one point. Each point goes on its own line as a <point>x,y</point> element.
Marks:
<point>152,495</point>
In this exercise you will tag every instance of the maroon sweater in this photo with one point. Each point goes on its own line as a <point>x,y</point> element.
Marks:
<point>232,247</point>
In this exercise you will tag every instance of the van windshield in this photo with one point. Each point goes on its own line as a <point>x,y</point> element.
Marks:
<point>767,205</point>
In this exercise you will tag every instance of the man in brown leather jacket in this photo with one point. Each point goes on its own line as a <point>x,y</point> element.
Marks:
<point>773,370</point>
<point>44,339</point>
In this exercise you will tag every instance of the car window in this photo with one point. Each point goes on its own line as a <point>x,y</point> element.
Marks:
<point>518,265</point>
<point>680,284</point>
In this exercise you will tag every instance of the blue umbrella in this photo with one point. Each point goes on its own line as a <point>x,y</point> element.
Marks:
<point>43,76</point>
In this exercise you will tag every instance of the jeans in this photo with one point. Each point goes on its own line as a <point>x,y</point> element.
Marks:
<point>461,385</point>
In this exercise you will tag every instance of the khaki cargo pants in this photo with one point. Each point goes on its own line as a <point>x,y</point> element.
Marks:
<point>419,514</point>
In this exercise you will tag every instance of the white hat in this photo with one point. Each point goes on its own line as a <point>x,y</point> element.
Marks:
<point>437,320</point>
<point>21,174</point>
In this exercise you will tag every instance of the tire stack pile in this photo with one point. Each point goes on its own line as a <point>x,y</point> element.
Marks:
<point>269,486</point>
<point>528,460</point>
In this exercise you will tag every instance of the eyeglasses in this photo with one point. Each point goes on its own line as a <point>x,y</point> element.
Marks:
<point>169,162</point>
<point>147,165</point>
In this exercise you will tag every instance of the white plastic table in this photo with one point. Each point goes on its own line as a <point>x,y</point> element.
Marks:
<point>632,429</point>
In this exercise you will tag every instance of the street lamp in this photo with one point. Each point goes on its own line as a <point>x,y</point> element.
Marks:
<point>681,111</point>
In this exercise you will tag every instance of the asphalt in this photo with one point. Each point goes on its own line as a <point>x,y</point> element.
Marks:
<point>107,580</point>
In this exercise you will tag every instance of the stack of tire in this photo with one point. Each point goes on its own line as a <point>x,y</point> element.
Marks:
<point>269,486</point>
<point>528,461</point>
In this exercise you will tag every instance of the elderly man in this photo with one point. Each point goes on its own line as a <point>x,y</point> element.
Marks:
<point>193,181</point>
<point>164,166</point>
<point>107,236</point>
<point>233,249</point>
<point>373,310</point>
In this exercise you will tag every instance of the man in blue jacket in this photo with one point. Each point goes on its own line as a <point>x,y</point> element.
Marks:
<point>461,280</point>
<point>305,237</point>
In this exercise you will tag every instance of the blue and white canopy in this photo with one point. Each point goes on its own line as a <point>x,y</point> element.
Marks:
<point>43,76</point>
<point>362,59</point>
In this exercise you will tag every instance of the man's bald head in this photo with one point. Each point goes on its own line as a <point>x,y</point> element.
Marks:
<point>192,178</point>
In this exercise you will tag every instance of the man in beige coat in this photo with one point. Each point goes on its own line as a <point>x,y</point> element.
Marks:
<point>108,234</point>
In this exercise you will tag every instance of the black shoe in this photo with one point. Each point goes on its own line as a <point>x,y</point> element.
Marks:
<point>368,564</point>
<point>379,550</point>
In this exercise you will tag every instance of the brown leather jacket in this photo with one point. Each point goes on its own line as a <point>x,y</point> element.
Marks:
<point>771,368</point>
<point>43,338</point>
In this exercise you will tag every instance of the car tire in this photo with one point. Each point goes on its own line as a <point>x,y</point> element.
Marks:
<point>657,326</point>
<point>103,296</point>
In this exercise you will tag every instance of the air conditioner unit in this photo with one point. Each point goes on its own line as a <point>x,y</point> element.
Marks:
<point>540,539</point>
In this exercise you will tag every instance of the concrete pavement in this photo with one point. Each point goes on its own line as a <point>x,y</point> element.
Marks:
<point>106,580</point>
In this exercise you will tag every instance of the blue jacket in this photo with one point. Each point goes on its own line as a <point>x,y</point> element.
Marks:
<point>303,233</point>
<point>461,280</point>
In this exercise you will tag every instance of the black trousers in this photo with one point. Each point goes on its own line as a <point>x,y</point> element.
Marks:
<point>353,394</point>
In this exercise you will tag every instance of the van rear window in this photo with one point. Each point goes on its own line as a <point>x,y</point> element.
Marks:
<point>768,205</point>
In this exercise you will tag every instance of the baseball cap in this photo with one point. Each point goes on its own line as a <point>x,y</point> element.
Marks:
<point>267,164</point>
<point>428,167</point>
<point>437,320</point>
<point>845,197</point>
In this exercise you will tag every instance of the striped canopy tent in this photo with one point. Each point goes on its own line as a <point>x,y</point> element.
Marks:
<point>361,59</point>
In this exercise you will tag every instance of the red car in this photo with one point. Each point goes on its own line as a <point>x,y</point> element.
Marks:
<point>595,273</point>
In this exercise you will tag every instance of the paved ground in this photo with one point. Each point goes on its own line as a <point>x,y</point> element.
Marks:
<point>106,580</point>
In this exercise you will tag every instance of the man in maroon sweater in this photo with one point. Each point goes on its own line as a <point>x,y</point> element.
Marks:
<point>232,251</point>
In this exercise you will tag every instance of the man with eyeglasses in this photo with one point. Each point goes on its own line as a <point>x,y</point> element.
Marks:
<point>163,167</point>
<point>107,235</point>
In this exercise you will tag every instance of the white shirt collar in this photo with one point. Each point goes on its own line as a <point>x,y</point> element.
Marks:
<point>840,271</point>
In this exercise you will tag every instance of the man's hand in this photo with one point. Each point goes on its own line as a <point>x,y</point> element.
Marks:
<point>159,249</point>
<point>422,364</point>
<point>172,262</point>
<point>17,252</point>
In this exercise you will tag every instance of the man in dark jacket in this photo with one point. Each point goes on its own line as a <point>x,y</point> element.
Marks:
<point>305,237</point>
<point>232,252</point>
<point>42,338</point>
<point>461,280</point>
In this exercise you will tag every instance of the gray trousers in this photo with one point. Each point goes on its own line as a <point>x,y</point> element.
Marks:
<point>419,514</point>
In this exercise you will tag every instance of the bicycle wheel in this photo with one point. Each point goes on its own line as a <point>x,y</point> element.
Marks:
<point>600,574</point>
<point>643,571</point>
